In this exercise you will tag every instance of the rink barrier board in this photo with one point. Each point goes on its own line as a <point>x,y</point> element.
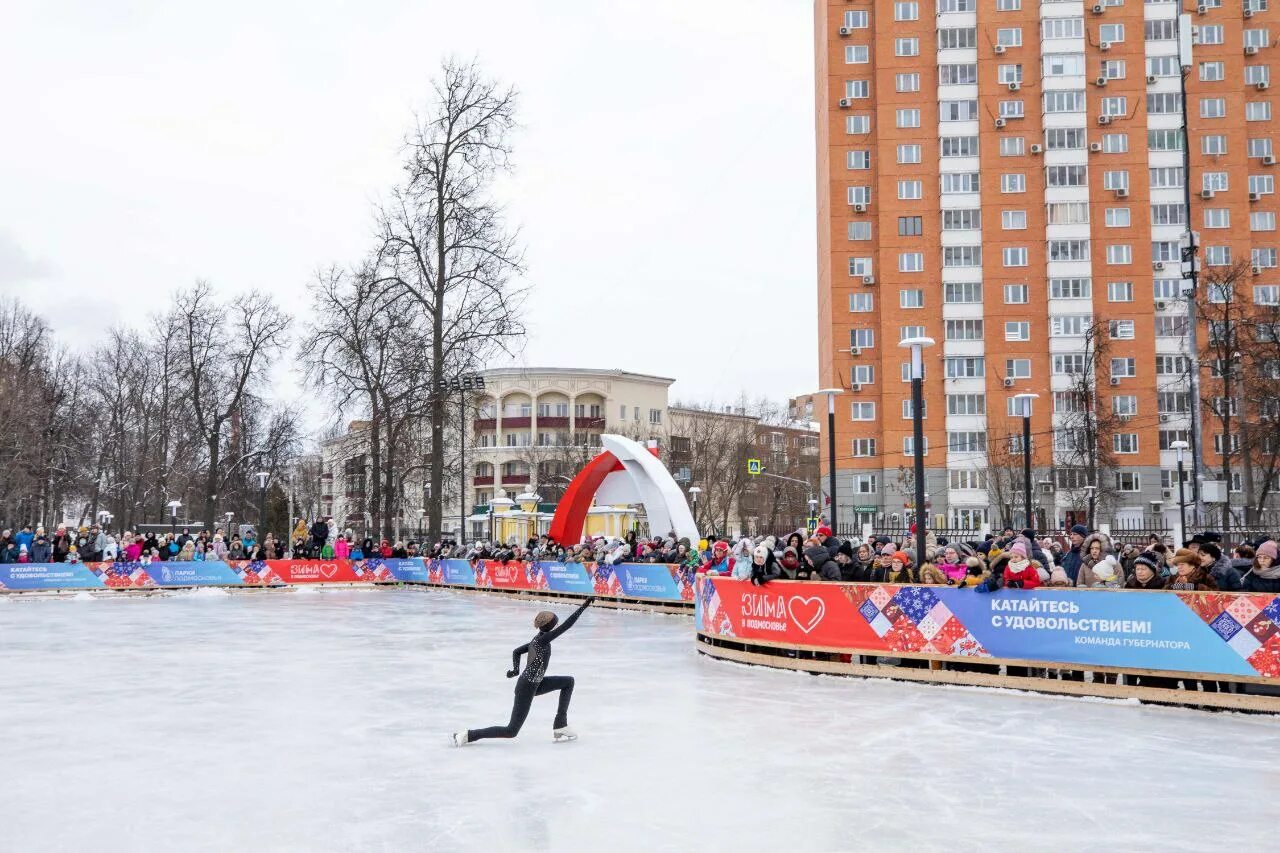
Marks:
<point>1225,701</point>
<point>1225,637</point>
<point>681,608</point>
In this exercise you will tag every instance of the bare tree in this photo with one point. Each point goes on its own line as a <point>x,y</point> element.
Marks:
<point>443,241</point>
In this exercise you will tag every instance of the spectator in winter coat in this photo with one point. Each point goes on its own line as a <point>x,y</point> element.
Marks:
<point>764,566</point>
<point>23,555</point>
<point>25,536</point>
<point>1218,565</point>
<point>1146,573</point>
<point>319,534</point>
<point>720,562</point>
<point>341,548</point>
<point>1019,571</point>
<point>1104,574</point>
<point>1189,572</point>
<point>932,575</point>
<point>975,572</point>
<point>790,561</point>
<point>41,550</point>
<point>901,569</point>
<point>1264,574</point>
<point>62,543</point>
<point>1072,559</point>
<point>188,552</point>
<point>827,540</point>
<point>11,552</point>
<point>851,570</point>
<point>820,561</point>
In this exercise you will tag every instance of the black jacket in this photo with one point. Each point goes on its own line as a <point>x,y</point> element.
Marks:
<point>1253,583</point>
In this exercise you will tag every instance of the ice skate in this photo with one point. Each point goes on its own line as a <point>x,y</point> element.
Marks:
<point>459,738</point>
<point>564,734</point>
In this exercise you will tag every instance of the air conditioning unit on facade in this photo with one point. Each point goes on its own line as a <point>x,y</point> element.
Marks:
<point>1095,147</point>
<point>859,208</point>
<point>1161,305</point>
<point>1115,380</point>
<point>1037,149</point>
<point>857,386</point>
<point>1104,120</point>
<point>1202,10</point>
<point>1008,383</point>
<point>1268,159</point>
<point>1000,123</point>
<point>1206,194</point>
<point>844,31</point>
<point>1158,265</point>
<point>855,351</point>
<point>1255,197</point>
<point>1248,13</point>
<point>868,280</point>
<point>1250,50</point>
<point>1105,46</point>
<point>1014,86</point>
<point>1168,494</point>
<point>1122,193</point>
<point>1101,81</point>
<point>1000,49</point>
<point>1151,78</point>
<point>1262,85</point>
<point>845,103</point>
<point>1257,270</point>
<point>1164,419</point>
<point>1098,8</point>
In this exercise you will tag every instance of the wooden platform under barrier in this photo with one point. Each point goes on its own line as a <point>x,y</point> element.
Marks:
<point>1236,693</point>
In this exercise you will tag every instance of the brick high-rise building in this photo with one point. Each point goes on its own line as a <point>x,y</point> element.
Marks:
<point>1008,178</point>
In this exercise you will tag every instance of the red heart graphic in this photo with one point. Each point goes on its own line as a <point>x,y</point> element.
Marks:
<point>328,569</point>
<point>806,612</point>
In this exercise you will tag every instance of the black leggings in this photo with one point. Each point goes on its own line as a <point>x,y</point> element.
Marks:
<point>525,691</point>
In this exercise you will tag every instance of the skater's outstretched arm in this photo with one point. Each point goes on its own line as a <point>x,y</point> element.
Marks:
<point>515,660</point>
<point>568,623</point>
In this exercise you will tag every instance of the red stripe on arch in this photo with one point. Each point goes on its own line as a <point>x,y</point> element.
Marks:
<point>571,513</point>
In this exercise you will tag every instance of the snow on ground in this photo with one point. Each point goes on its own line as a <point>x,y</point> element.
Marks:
<point>318,722</point>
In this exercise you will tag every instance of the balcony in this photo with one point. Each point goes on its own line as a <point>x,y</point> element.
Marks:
<point>483,481</point>
<point>483,424</point>
<point>552,421</point>
<point>590,423</point>
<point>516,423</point>
<point>515,479</point>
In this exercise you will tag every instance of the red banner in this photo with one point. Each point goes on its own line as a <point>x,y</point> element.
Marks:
<point>308,571</point>
<point>800,614</point>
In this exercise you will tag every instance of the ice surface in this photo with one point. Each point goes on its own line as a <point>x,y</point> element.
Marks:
<point>276,721</point>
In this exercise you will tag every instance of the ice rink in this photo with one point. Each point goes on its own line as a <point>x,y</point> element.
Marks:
<point>318,721</point>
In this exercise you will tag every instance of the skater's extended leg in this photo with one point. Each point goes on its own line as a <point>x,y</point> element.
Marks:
<point>525,692</point>
<point>563,683</point>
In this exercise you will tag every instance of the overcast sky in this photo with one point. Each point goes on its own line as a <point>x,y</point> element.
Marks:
<point>664,177</point>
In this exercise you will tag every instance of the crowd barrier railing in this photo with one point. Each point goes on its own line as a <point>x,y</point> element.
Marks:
<point>1224,648</point>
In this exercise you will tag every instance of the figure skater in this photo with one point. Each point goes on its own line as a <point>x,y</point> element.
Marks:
<point>534,681</point>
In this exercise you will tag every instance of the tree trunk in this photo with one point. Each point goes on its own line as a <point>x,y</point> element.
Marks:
<point>211,479</point>
<point>373,502</point>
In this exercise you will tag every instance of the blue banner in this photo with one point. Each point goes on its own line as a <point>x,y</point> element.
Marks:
<point>568,577</point>
<point>412,569</point>
<point>195,573</point>
<point>47,576</point>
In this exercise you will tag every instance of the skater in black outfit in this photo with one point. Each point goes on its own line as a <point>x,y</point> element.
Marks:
<point>534,681</point>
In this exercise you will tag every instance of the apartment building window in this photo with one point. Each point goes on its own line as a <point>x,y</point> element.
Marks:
<point>1164,140</point>
<point>906,11</point>
<point>1008,5</point>
<point>1262,220</point>
<point>958,73</point>
<point>907,410</point>
<point>1260,147</point>
<point>861,303</point>
<point>1015,294</point>
<point>857,160</point>
<point>1115,143</point>
<point>1168,214</point>
<point>1120,330</point>
<point>856,20</point>
<point>1119,291</point>
<point>1112,33</point>
<point>860,266</point>
<point>1165,103</point>
<point>963,330</point>
<point>1061,64</point>
<point>1069,402</point>
<point>1128,481</point>
<point>655,416</point>
<point>1163,66</point>
<point>1064,138</point>
<point>1068,364</point>
<point>859,195</point>
<point>863,374</point>
<point>1217,217</point>
<point>957,110</point>
<point>961,219</point>
<point>1257,111</point>
<point>862,338</point>
<point>1069,325</point>
<point>1012,146</point>
<point>966,404</point>
<point>1124,404</point>
<point>864,484</point>
<point>1067,213</point>
<point>1066,176</point>
<point>1115,179</point>
<point>1068,101</point>
<point>1262,184</point>
<point>1013,182</point>
<point>957,5</point>
<point>909,446</point>
<point>908,153</point>
<point>905,332</point>
<point>1063,28</point>
<point>1120,254</point>
<point>857,88</point>
<point>1266,294</point>
<point>910,226</point>
<point>910,262</point>
<point>1124,368</point>
<point>1210,34</point>
<point>906,47</point>
<point>1263,257</point>
<point>1012,109</point>
<point>1213,144</point>
<point>951,38</point>
<point>959,182</point>
<point>911,298</point>
<point>1165,29</point>
<point>1235,444</point>
<point>1011,73</point>
<point>1213,107</point>
<point>856,54</point>
<point>863,411</point>
<point>908,118</point>
<point>1170,327</point>
<point>1124,442</point>
<point>958,146</point>
<point>1017,330</point>
<point>859,230</point>
<point>1216,181</point>
<point>1116,217</point>
<point>1257,38</point>
<point>1015,256</point>
<point>1017,368</point>
<point>1255,74</point>
<point>1070,288</point>
<point>967,441</point>
<point>1217,256</point>
<point>1113,69</point>
<point>964,368</point>
<point>962,256</point>
<point>1068,250</point>
<point>967,478</point>
<point>1212,72</point>
<point>864,447</point>
<point>1009,36</point>
<point>1115,106</point>
<point>854,125</point>
<point>1173,403</point>
<point>1013,220</point>
<point>962,292</point>
<point>909,190</point>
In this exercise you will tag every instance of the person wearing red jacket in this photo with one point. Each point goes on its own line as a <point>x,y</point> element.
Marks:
<point>1019,573</point>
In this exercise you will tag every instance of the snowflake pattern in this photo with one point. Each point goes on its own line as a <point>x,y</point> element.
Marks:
<point>1272,610</point>
<point>869,610</point>
<point>1225,626</point>
<point>915,601</point>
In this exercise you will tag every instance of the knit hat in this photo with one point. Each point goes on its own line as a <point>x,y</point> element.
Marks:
<point>1018,549</point>
<point>902,557</point>
<point>720,546</point>
<point>889,548</point>
<point>1148,559</point>
<point>761,552</point>
<point>1269,549</point>
<point>973,562</point>
<point>545,620</point>
<point>1080,530</point>
<point>1212,550</point>
<point>1185,555</point>
<point>822,531</point>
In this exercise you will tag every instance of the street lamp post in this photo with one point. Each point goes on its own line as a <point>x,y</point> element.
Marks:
<point>694,491</point>
<point>537,520</point>
<point>1181,447</point>
<point>917,346</point>
<point>831,450</point>
<point>1090,494</point>
<point>174,506</point>
<point>262,476</point>
<point>229,516</point>
<point>1024,409</point>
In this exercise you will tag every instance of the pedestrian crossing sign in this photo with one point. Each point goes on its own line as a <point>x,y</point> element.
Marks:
<point>753,466</point>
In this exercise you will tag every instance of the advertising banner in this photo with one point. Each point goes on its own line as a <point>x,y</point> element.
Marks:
<point>48,576</point>
<point>1221,633</point>
<point>655,581</point>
